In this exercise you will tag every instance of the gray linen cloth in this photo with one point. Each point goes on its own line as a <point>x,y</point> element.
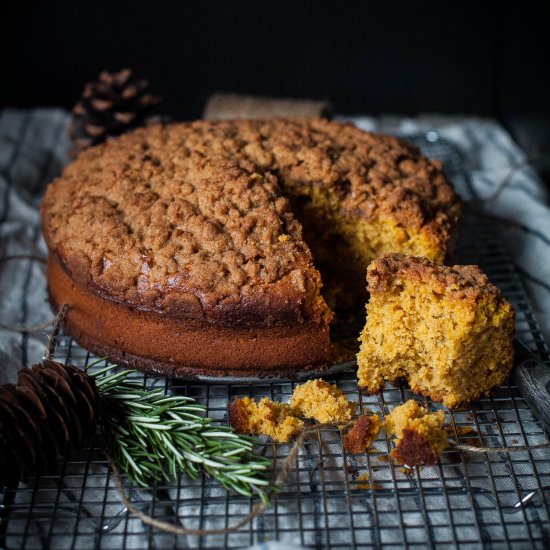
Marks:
<point>33,147</point>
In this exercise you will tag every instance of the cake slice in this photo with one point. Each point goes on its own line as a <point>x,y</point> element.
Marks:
<point>420,434</point>
<point>446,330</point>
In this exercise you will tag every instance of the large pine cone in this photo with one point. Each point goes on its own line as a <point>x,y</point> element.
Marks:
<point>49,412</point>
<point>115,103</point>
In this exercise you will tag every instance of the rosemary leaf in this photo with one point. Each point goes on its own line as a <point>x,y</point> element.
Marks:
<point>154,437</point>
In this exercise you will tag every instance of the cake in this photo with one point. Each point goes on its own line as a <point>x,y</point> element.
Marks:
<point>362,434</point>
<point>275,420</point>
<point>420,434</point>
<point>446,330</point>
<point>201,248</point>
<point>321,401</point>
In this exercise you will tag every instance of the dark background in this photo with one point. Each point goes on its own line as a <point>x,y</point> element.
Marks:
<point>485,58</point>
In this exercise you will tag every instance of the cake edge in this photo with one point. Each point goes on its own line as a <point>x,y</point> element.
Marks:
<point>195,349</point>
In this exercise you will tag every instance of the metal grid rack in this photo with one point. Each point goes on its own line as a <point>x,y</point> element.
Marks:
<point>494,500</point>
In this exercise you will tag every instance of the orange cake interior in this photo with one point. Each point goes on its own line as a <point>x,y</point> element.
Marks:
<point>446,330</point>
<point>362,434</point>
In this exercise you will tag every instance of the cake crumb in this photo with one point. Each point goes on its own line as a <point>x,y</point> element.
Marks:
<point>321,401</point>
<point>420,434</point>
<point>267,417</point>
<point>464,430</point>
<point>363,477</point>
<point>315,399</point>
<point>362,434</point>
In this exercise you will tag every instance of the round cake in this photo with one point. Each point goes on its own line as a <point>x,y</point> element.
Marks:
<point>201,248</point>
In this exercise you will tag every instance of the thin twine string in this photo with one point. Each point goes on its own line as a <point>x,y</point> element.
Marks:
<point>517,448</point>
<point>57,321</point>
<point>178,530</point>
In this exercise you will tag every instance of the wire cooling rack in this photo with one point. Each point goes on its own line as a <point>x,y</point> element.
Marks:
<point>494,500</point>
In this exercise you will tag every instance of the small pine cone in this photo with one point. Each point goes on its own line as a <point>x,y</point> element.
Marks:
<point>115,103</point>
<point>49,412</point>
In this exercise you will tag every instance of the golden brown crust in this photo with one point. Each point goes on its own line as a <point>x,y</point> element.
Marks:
<point>188,219</point>
<point>275,420</point>
<point>207,250</point>
<point>362,434</point>
<point>459,281</point>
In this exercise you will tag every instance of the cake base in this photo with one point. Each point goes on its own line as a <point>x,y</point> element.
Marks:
<point>178,348</point>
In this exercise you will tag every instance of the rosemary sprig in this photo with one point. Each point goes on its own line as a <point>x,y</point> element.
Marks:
<point>153,436</point>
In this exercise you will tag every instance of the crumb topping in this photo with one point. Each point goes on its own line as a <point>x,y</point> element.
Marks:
<point>459,281</point>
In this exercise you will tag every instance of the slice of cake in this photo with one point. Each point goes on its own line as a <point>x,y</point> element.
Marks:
<point>322,401</point>
<point>275,420</point>
<point>420,434</point>
<point>446,330</point>
<point>362,434</point>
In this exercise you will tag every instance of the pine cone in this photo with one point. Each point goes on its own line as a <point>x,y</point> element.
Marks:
<point>49,412</point>
<point>110,106</point>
